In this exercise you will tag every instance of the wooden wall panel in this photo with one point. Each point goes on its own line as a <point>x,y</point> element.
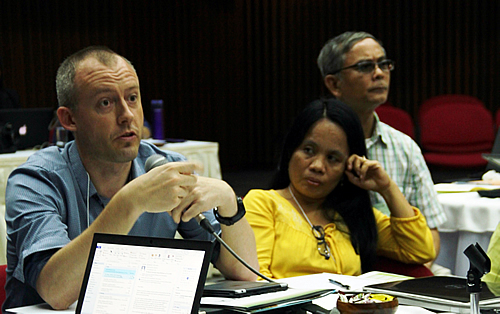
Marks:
<point>238,71</point>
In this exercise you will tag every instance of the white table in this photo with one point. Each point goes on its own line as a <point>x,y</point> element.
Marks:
<point>205,152</point>
<point>305,283</point>
<point>471,219</point>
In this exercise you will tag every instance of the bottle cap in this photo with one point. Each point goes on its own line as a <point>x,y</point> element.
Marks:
<point>157,103</point>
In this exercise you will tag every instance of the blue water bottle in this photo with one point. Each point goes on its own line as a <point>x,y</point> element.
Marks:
<point>157,107</point>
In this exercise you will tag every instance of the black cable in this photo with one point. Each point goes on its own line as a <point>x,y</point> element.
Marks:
<point>205,224</point>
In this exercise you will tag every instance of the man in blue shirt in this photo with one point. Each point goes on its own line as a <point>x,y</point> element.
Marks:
<point>60,197</point>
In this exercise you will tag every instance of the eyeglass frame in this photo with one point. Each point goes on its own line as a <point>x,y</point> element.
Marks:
<point>356,66</point>
<point>323,248</point>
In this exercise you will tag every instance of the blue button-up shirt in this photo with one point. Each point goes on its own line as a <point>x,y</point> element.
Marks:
<point>47,206</point>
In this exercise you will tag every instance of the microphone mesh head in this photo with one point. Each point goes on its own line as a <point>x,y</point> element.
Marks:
<point>154,161</point>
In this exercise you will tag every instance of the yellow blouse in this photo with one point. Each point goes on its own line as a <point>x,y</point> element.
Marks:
<point>286,246</point>
<point>494,254</point>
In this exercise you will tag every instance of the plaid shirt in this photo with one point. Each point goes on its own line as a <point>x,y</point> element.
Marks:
<point>403,161</point>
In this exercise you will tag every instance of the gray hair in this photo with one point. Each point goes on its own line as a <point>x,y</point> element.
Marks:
<point>65,78</point>
<point>332,56</point>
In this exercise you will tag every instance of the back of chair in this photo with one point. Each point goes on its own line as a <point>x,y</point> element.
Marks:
<point>397,118</point>
<point>455,127</point>
<point>448,99</point>
<point>388,265</point>
<point>3,278</point>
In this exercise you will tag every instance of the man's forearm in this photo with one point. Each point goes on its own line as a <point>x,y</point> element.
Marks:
<point>241,239</point>
<point>60,280</point>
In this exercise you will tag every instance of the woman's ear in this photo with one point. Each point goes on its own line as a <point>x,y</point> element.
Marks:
<point>65,116</point>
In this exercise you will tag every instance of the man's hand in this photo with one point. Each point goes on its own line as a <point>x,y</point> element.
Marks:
<point>163,188</point>
<point>206,194</point>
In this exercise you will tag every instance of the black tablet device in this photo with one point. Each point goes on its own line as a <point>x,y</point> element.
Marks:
<point>238,289</point>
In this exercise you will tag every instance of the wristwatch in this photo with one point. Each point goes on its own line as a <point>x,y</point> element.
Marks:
<point>228,221</point>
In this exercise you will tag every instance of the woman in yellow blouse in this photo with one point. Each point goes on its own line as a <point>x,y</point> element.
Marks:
<point>317,217</point>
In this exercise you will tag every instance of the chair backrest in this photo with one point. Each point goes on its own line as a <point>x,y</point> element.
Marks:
<point>448,99</point>
<point>455,124</point>
<point>388,265</point>
<point>397,118</point>
<point>3,279</point>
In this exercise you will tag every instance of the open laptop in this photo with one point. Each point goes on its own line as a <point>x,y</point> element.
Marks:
<point>494,158</point>
<point>130,274</point>
<point>30,125</point>
<point>443,293</point>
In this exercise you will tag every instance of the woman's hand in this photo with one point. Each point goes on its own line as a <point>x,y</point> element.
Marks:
<point>367,174</point>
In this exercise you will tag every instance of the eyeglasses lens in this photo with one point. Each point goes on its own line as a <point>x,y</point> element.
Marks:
<point>369,66</point>
<point>319,234</point>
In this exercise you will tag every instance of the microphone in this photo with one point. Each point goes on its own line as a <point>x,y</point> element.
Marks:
<point>158,160</point>
<point>154,161</point>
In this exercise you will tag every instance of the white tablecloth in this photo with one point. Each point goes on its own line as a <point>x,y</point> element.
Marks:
<point>471,219</point>
<point>205,152</point>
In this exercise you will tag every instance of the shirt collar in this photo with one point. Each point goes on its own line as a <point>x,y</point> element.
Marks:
<point>379,133</point>
<point>71,151</point>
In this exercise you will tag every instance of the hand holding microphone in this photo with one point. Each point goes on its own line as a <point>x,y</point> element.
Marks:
<point>165,189</point>
<point>203,194</point>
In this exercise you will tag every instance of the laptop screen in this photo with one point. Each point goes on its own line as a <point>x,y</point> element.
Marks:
<point>128,274</point>
<point>30,125</point>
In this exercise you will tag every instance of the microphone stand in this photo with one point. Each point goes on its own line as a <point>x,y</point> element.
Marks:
<point>474,287</point>
<point>480,264</point>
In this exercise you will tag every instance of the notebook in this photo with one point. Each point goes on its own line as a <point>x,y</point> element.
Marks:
<point>439,293</point>
<point>31,125</point>
<point>239,289</point>
<point>130,274</point>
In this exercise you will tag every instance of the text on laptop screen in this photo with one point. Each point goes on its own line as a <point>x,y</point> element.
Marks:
<point>138,279</point>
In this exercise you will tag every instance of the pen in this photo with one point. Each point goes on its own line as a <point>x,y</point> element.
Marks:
<point>335,282</point>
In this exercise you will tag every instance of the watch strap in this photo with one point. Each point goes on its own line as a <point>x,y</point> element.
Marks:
<point>228,221</point>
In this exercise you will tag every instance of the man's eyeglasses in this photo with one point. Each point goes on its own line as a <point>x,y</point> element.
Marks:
<point>323,248</point>
<point>369,66</point>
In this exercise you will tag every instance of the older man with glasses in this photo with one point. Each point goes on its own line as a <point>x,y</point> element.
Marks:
<point>356,70</point>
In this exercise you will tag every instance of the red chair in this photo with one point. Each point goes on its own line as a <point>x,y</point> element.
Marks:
<point>455,130</point>
<point>3,278</point>
<point>448,99</point>
<point>397,118</point>
<point>388,265</point>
